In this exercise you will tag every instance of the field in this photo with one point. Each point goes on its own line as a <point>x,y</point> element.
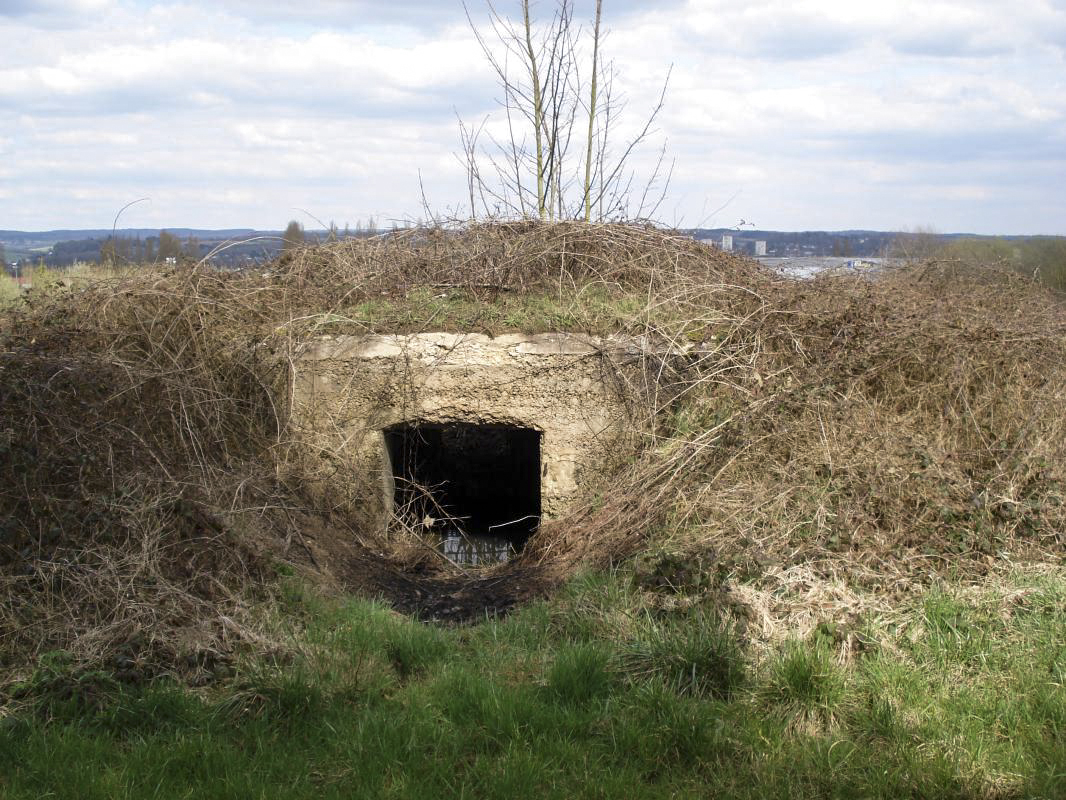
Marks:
<point>833,566</point>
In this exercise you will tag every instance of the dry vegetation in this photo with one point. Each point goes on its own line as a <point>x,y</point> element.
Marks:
<point>868,433</point>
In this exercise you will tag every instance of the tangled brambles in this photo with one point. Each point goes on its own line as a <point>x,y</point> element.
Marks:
<point>885,429</point>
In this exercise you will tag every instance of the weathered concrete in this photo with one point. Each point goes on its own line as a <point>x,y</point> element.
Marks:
<point>572,388</point>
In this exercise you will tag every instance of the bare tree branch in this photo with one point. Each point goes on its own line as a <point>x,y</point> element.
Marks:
<point>534,172</point>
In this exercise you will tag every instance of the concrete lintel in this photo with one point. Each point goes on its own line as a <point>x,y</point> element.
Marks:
<point>421,345</point>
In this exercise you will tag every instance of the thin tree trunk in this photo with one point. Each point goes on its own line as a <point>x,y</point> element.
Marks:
<point>592,112</point>
<point>538,111</point>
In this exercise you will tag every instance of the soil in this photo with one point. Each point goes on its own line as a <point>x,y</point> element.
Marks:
<point>416,579</point>
<point>468,597</point>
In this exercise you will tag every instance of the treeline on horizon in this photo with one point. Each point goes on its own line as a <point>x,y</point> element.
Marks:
<point>1040,257</point>
<point>165,248</point>
<point>221,249</point>
<point>131,250</point>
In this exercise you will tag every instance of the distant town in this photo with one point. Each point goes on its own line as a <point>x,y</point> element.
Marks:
<point>244,247</point>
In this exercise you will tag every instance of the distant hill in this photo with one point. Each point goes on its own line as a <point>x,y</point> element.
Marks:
<point>851,243</point>
<point>64,247</point>
<point>102,233</point>
<point>242,246</point>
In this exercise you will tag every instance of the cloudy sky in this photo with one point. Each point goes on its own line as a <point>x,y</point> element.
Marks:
<point>792,114</point>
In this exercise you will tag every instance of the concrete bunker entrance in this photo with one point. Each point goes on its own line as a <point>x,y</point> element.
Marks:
<point>475,486</point>
<point>503,431</point>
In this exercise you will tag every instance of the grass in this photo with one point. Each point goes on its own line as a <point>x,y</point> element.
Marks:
<point>693,655</point>
<point>805,686</point>
<point>595,308</point>
<point>49,279</point>
<point>962,698</point>
<point>9,290</point>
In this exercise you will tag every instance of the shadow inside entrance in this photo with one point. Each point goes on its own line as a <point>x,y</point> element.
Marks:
<point>476,488</point>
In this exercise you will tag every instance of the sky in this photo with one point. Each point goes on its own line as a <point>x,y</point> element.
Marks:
<point>783,114</point>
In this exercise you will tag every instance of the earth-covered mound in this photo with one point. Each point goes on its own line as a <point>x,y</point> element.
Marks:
<point>877,429</point>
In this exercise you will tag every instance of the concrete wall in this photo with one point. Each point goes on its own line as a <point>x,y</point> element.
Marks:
<point>573,389</point>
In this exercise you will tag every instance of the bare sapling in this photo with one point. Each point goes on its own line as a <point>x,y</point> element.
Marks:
<point>533,167</point>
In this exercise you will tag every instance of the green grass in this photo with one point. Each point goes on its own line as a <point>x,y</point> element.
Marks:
<point>594,308</point>
<point>588,695</point>
<point>694,655</point>
<point>9,290</point>
<point>804,683</point>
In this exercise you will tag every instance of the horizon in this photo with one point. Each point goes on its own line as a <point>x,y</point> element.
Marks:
<point>735,232</point>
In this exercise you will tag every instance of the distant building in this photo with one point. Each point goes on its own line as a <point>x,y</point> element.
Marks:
<point>760,248</point>
<point>727,242</point>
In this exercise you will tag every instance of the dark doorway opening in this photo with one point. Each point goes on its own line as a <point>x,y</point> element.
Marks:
<point>476,486</point>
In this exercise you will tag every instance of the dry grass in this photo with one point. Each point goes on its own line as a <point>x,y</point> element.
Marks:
<point>906,424</point>
<point>881,429</point>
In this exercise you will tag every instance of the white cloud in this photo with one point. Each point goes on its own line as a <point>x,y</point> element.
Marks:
<point>819,113</point>
<point>789,29</point>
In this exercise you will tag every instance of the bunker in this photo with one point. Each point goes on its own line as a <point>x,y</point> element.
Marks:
<point>467,434</point>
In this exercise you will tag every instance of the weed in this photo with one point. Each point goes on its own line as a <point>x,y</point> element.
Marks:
<point>696,655</point>
<point>9,290</point>
<point>805,685</point>
<point>278,696</point>
<point>835,444</point>
<point>59,688</point>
